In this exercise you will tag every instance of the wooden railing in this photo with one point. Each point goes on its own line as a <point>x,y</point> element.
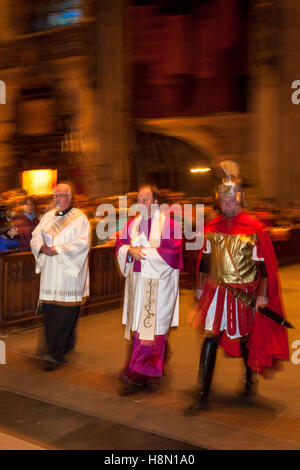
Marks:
<point>20,286</point>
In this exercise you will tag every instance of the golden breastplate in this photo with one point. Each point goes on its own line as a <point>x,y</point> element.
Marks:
<point>240,247</point>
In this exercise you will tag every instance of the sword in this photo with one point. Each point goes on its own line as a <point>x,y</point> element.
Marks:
<point>249,300</point>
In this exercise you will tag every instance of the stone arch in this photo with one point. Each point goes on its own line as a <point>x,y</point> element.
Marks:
<point>166,160</point>
<point>217,138</point>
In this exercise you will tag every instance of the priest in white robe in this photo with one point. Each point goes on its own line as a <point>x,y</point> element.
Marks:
<point>149,253</point>
<point>60,244</point>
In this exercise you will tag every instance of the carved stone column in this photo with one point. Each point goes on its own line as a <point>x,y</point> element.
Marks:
<point>6,24</point>
<point>266,59</point>
<point>290,112</point>
<point>107,169</point>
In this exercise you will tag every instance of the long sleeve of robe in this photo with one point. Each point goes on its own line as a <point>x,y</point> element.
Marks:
<point>163,263</point>
<point>65,276</point>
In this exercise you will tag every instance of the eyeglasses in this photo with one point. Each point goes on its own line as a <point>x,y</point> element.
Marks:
<point>61,195</point>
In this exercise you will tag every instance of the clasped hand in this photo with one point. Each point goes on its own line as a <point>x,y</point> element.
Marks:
<point>48,250</point>
<point>137,253</point>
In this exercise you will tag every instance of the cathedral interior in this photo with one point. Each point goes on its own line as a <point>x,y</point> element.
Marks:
<point>145,90</point>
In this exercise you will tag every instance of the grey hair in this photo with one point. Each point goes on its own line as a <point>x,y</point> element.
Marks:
<point>70,187</point>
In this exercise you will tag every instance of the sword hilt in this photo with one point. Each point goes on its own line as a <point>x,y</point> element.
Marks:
<point>238,293</point>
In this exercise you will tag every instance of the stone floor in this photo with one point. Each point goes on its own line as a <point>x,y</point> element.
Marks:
<point>77,406</point>
<point>30,424</point>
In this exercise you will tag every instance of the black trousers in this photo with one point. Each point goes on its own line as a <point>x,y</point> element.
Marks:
<point>60,323</point>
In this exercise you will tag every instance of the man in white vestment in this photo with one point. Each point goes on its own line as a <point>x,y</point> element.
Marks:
<point>149,254</point>
<point>60,244</point>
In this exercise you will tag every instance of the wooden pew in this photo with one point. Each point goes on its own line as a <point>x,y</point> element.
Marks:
<point>19,286</point>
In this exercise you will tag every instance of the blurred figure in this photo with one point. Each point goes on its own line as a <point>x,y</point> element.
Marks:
<point>26,223</point>
<point>237,254</point>
<point>60,244</point>
<point>265,213</point>
<point>150,261</point>
<point>8,233</point>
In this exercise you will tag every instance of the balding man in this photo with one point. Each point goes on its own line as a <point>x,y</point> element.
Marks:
<point>149,254</point>
<point>60,244</point>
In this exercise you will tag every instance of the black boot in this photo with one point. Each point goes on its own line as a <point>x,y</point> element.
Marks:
<point>206,369</point>
<point>249,382</point>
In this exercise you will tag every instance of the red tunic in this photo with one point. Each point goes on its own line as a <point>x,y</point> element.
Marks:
<point>267,339</point>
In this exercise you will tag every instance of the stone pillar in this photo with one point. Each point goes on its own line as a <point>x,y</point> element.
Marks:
<point>290,108</point>
<point>265,52</point>
<point>6,24</point>
<point>276,117</point>
<point>108,171</point>
<point>266,131</point>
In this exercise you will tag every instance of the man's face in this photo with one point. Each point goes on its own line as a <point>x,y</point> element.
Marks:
<point>144,200</point>
<point>13,231</point>
<point>62,197</point>
<point>29,207</point>
<point>230,206</point>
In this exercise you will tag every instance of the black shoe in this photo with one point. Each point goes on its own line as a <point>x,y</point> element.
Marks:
<point>248,391</point>
<point>206,369</point>
<point>51,363</point>
<point>197,406</point>
<point>250,383</point>
<point>50,366</point>
<point>130,389</point>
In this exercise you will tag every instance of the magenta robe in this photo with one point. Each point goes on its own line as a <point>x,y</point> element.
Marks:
<point>147,358</point>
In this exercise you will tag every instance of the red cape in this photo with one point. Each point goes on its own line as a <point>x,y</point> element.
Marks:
<point>268,340</point>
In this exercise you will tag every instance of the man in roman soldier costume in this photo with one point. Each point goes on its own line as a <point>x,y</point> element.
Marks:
<point>149,254</point>
<point>236,263</point>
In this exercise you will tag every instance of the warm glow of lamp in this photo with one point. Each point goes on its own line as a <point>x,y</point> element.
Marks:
<point>199,170</point>
<point>39,181</point>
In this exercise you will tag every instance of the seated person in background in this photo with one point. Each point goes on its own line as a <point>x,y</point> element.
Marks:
<point>26,221</point>
<point>8,232</point>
